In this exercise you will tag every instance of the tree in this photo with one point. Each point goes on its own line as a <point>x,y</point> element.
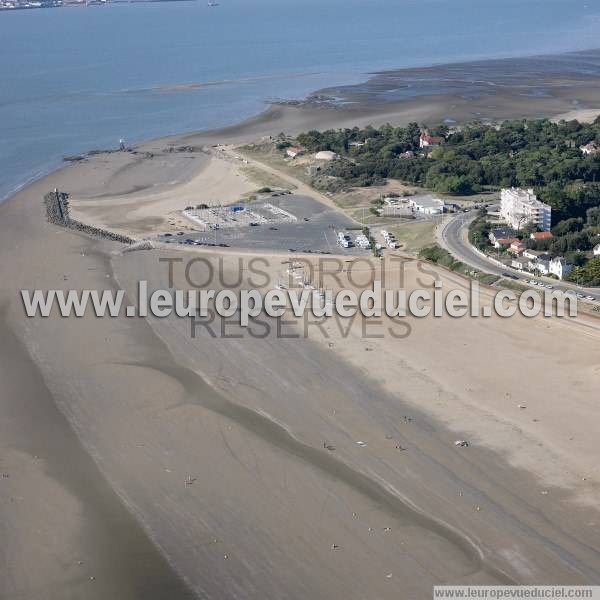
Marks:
<point>593,216</point>
<point>588,275</point>
<point>567,226</point>
<point>529,228</point>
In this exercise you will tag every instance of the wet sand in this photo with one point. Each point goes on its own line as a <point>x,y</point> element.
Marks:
<point>210,451</point>
<point>65,533</point>
<point>565,85</point>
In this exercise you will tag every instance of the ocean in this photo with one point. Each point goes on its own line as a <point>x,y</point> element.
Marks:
<point>74,79</point>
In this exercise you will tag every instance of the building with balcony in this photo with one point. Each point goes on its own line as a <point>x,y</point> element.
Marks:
<point>519,207</point>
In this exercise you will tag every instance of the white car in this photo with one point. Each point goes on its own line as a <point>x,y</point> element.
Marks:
<point>580,296</point>
<point>590,298</point>
<point>533,282</point>
<point>548,286</point>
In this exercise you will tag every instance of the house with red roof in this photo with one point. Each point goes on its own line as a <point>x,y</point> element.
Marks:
<point>541,235</point>
<point>430,141</point>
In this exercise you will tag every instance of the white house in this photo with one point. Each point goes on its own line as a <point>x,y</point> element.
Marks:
<point>591,148</point>
<point>533,254</point>
<point>519,207</point>
<point>427,205</point>
<point>294,151</point>
<point>541,264</point>
<point>520,263</point>
<point>596,250</point>
<point>560,267</point>
<point>327,155</point>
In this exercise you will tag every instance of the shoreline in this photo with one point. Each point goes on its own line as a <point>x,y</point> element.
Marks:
<point>364,110</point>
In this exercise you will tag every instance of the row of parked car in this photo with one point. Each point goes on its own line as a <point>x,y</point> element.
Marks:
<point>549,286</point>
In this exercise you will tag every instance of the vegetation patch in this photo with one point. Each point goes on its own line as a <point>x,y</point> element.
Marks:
<point>524,153</point>
<point>442,257</point>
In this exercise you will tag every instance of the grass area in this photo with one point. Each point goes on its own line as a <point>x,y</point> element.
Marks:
<point>511,285</point>
<point>415,235</point>
<point>364,215</point>
<point>264,179</point>
<point>439,256</point>
<point>488,278</point>
<point>276,160</point>
<point>442,257</point>
<point>350,200</point>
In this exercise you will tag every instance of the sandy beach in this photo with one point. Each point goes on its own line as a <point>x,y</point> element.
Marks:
<point>141,461</point>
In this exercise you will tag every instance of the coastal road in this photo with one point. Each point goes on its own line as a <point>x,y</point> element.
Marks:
<point>453,236</point>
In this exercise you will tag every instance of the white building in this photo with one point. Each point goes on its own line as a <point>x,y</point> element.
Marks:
<point>541,264</point>
<point>519,207</point>
<point>596,250</point>
<point>591,148</point>
<point>520,263</point>
<point>560,267</point>
<point>427,205</point>
<point>326,155</point>
<point>532,254</point>
<point>294,151</point>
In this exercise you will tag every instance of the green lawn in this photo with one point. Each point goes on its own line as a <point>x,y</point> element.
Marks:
<point>415,235</point>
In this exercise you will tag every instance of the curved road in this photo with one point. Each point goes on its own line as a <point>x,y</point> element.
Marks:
<point>453,236</point>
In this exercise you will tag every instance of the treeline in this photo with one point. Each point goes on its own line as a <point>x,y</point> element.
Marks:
<point>588,274</point>
<point>538,154</point>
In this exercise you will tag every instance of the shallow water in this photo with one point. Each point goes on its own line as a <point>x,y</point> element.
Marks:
<point>78,78</point>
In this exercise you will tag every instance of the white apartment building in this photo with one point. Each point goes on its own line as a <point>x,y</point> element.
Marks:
<point>519,207</point>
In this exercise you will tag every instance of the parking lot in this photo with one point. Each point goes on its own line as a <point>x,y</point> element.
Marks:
<point>313,228</point>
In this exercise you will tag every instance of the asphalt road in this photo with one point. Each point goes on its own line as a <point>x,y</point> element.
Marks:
<point>452,236</point>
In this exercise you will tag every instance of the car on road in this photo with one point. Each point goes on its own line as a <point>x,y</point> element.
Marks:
<point>590,298</point>
<point>579,295</point>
